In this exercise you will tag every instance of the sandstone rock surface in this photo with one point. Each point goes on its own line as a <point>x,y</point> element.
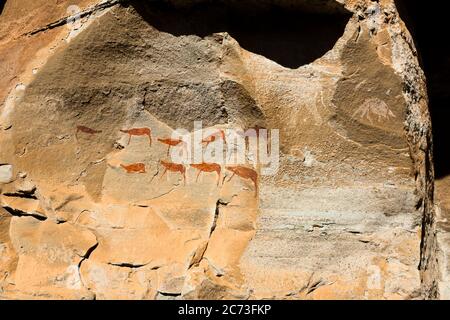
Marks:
<point>88,213</point>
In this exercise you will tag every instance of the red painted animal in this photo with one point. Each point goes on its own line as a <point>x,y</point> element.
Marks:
<point>139,132</point>
<point>214,136</point>
<point>172,143</point>
<point>134,168</point>
<point>86,130</point>
<point>254,133</point>
<point>207,167</point>
<point>251,132</point>
<point>174,167</point>
<point>245,173</point>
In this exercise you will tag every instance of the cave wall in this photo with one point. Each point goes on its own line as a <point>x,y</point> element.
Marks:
<point>348,214</point>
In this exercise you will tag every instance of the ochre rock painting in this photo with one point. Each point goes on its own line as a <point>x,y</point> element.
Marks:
<point>207,167</point>
<point>139,132</point>
<point>134,168</point>
<point>86,130</point>
<point>152,151</point>
<point>245,173</point>
<point>174,167</point>
<point>171,143</point>
<point>211,138</point>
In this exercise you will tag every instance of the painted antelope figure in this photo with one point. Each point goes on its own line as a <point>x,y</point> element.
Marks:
<point>207,167</point>
<point>134,168</point>
<point>174,167</point>
<point>245,173</point>
<point>139,132</point>
<point>374,107</point>
<point>214,136</point>
<point>255,134</point>
<point>86,130</point>
<point>172,143</point>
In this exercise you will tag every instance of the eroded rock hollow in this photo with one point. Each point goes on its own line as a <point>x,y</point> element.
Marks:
<point>93,205</point>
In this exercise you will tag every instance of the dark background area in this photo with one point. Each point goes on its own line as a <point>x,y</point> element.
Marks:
<point>429,23</point>
<point>2,5</point>
<point>286,35</point>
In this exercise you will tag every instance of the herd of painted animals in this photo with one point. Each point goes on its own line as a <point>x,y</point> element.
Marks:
<point>240,171</point>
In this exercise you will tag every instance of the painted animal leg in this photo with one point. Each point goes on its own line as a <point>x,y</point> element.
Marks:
<point>165,170</point>
<point>129,140</point>
<point>218,178</point>
<point>185,150</point>
<point>231,177</point>
<point>256,188</point>
<point>199,171</point>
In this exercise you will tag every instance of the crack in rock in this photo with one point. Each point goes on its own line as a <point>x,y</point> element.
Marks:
<point>20,213</point>
<point>65,20</point>
<point>196,261</point>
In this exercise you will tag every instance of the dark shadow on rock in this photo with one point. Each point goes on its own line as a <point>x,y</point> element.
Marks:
<point>2,5</point>
<point>429,26</point>
<point>285,34</point>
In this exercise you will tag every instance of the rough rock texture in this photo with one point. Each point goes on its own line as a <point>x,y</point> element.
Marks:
<point>348,215</point>
<point>436,64</point>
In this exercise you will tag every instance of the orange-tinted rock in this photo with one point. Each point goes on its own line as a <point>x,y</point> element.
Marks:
<point>340,218</point>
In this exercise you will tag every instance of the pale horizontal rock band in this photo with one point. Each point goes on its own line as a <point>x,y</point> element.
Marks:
<point>341,219</point>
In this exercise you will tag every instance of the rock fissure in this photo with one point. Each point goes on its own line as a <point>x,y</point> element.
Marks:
<point>128,265</point>
<point>84,258</point>
<point>69,19</point>
<point>19,213</point>
<point>197,260</point>
<point>24,195</point>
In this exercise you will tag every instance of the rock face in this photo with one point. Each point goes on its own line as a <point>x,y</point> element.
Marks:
<point>437,69</point>
<point>93,205</point>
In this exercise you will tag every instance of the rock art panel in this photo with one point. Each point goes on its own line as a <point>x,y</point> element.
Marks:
<point>111,188</point>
